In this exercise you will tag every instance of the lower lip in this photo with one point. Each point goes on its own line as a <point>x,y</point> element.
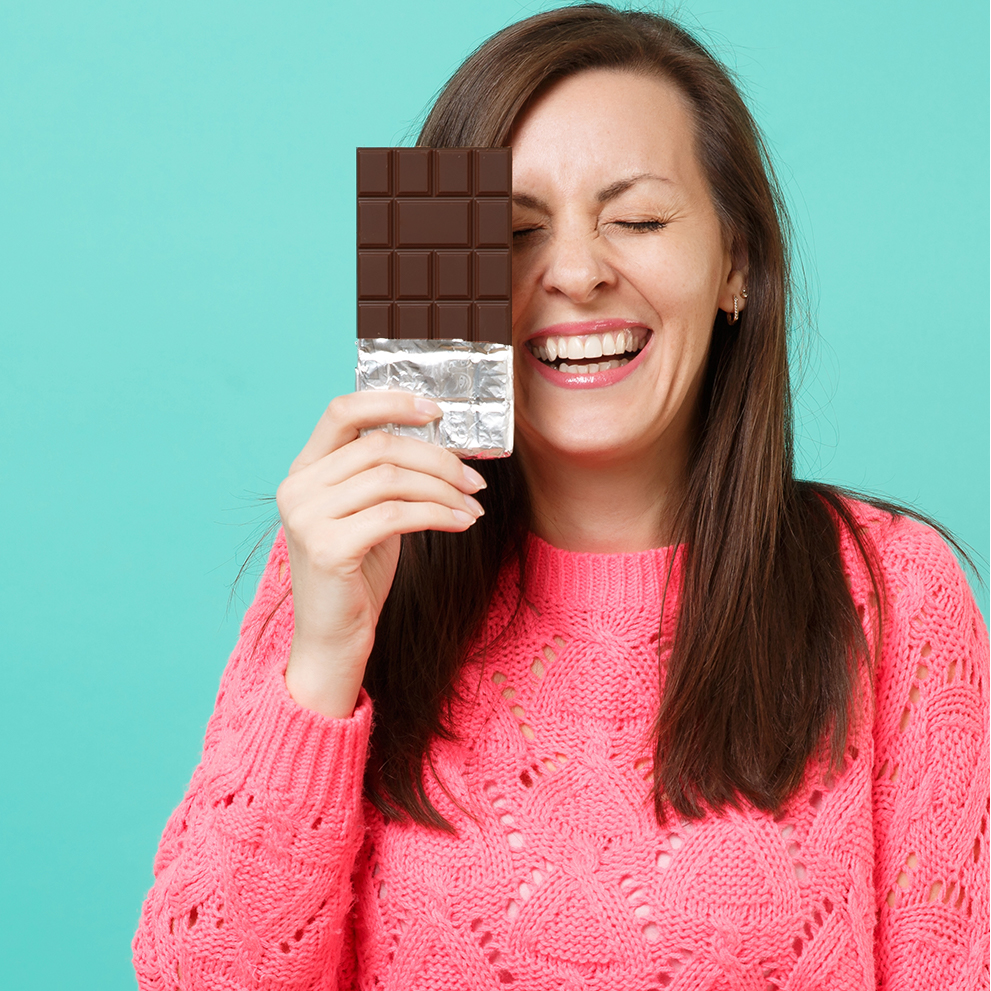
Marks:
<point>597,380</point>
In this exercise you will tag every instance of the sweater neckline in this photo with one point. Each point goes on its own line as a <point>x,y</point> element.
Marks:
<point>593,580</point>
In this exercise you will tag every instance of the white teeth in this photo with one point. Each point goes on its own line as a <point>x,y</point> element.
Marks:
<point>592,368</point>
<point>575,348</point>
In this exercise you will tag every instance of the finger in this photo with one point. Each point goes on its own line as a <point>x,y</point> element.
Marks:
<point>379,448</point>
<point>347,415</point>
<point>387,483</point>
<point>361,532</point>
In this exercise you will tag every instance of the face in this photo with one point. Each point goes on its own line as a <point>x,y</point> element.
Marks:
<point>619,270</point>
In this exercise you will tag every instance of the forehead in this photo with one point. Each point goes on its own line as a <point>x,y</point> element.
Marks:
<point>597,125</point>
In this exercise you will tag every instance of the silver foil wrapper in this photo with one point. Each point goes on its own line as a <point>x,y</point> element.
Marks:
<point>471,382</point>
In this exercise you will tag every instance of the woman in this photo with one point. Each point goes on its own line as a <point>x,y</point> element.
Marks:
<point>663,716</point>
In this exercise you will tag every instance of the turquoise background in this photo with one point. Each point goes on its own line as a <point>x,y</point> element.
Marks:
<point>177,307</point>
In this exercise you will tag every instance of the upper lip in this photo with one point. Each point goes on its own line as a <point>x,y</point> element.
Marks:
<point>585,327</point>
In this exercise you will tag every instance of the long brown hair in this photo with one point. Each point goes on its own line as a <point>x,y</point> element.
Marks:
<point>763,670</point>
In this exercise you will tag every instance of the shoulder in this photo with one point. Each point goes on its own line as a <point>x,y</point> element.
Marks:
<point>933,637</point>
<point>918,568</point>
<point>929,731</point>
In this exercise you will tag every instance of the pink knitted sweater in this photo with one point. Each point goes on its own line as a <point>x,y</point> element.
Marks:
<point>275,873</point>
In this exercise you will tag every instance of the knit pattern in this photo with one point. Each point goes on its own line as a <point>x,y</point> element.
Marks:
<point>275,872</point>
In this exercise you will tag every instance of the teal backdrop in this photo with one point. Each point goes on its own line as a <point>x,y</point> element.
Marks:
<point>177,307</point>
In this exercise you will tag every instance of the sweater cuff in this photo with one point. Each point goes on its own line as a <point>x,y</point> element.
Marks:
<point>312,762</point>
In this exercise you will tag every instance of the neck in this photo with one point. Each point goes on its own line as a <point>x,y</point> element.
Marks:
<point>601,506</point>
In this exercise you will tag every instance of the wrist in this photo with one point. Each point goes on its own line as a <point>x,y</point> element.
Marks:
<point>320,682</point>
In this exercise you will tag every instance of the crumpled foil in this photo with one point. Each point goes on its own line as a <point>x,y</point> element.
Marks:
<point>471,382</point>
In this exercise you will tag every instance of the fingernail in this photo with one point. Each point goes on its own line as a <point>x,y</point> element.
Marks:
<point>427,407</point>
<point>474,506</point>
<point>463,518</point>
<point>472,477</point>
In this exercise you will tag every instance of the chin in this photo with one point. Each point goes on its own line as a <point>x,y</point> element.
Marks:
<point>580,441</point>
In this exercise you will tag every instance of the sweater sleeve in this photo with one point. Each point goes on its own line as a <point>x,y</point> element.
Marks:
<point>930,790</point>
<point>253,874</point>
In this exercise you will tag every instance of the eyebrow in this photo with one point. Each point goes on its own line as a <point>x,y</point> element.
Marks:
<point>603,196</point>
<point>622,185</point>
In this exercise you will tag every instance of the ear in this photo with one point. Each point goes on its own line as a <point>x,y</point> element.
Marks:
<point>735,281</point>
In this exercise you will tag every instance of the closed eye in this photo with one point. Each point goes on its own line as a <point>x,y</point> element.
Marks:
<point>641,226</point>
<point>637,226</point>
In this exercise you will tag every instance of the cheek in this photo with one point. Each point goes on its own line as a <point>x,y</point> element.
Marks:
<point>676,277</point>
<point>522,289</point>
<point>525,259</point>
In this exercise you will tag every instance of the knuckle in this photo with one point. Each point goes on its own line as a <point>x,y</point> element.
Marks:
<point>379,443</point>
<point>387,475</point>
<point>291,525</point>
<point>445,459</point>
<point>284,496</point>
<point>453,467</point>
<point>337,408</point>
<point>389,513</point>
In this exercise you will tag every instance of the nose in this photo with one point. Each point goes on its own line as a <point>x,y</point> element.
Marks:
<point>575,265</point>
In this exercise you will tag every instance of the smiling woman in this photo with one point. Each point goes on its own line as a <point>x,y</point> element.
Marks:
<point>618,250</point>
<point>688,720</point>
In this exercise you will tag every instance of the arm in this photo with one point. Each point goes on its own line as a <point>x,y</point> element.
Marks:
<point>252,878</point>
<point>931,772</point>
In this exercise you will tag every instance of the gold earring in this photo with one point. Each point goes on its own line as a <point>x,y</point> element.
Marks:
<point>736,307</point>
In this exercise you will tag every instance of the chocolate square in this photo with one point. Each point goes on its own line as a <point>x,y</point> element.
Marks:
<point>453,270</point>
<point>434,243</point>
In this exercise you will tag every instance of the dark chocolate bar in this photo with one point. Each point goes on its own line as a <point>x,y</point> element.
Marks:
<point>434,244</point>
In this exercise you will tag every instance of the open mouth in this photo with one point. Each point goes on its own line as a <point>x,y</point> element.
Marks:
<point>587,354</point>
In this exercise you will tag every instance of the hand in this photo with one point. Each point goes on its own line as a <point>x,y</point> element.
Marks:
<point>343,505</point>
